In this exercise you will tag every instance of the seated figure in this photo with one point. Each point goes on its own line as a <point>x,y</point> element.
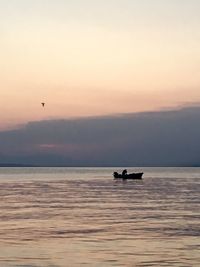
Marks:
<point>124,172</point>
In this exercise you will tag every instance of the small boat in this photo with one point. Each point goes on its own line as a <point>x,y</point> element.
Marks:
<point>131,176</point>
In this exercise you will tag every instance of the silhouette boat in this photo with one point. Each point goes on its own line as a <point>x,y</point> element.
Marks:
<point>130,176</point>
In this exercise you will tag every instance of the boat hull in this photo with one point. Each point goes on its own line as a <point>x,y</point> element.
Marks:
<point>131,176</point>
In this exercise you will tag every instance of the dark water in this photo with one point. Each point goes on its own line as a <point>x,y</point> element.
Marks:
<point>58,217</point>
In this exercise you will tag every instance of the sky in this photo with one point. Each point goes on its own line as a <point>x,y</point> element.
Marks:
<point>94,58</point>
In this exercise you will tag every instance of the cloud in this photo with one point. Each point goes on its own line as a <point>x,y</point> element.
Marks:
<point>164,138</point>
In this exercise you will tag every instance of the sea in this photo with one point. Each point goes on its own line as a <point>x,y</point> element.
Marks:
<point>60,217</point>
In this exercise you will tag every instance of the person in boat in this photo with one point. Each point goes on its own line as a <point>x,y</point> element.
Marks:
<point>124,172</point>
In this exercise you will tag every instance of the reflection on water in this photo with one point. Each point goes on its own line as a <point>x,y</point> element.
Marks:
<point>81,217</point>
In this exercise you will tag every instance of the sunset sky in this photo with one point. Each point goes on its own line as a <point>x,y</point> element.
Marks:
<point>96,57</point>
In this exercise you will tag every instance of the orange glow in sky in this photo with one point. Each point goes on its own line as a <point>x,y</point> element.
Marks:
<point>85,58</point>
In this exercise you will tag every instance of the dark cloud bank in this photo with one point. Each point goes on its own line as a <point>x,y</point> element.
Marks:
<point>167,138</point>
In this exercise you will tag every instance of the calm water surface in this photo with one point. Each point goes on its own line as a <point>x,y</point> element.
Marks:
<point>58,217</point>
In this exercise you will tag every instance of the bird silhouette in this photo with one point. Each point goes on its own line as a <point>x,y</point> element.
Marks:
<point>43,104</point>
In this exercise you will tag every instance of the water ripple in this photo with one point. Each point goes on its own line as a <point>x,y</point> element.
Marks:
<point>99,222</point>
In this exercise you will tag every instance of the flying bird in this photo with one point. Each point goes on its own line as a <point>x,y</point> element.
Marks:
<point>43,104</point>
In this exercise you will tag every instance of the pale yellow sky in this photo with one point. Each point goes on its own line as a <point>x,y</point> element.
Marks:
<point>87,58</point>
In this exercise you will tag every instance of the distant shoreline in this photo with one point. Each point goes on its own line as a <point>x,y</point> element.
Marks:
<point>15,165</point>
